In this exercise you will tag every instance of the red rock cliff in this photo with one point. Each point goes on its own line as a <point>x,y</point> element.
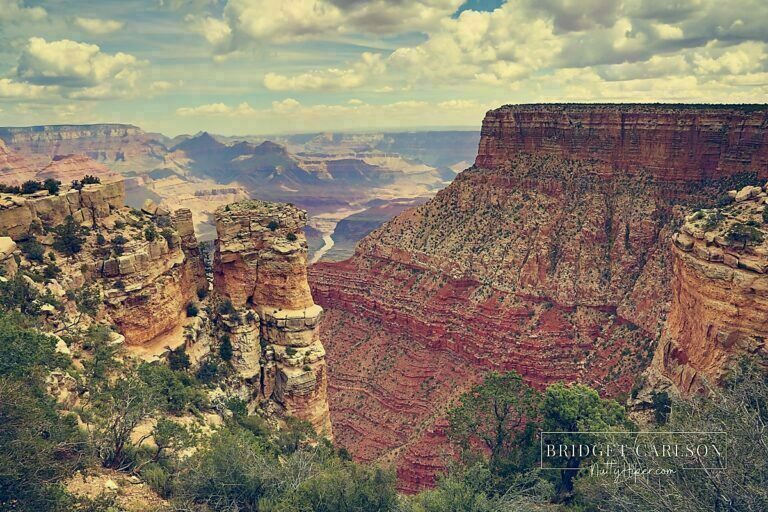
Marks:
<point>671,143</point>
<point>549,257</point>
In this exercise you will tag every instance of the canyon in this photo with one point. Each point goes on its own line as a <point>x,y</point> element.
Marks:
<point>550,256</point>
<point>620,246</point>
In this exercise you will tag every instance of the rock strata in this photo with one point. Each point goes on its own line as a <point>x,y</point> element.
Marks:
<point>550,256</point>
<point>260,264</point>
<point>719,310</point>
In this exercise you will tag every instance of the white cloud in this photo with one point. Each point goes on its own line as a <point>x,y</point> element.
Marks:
<point>744,58</point>
<point>14,10</point>
<point>216,110</point>
<point>329,79</point>
<point>98,26</point>
<point>665,31</point>
<point>18,90</point>
<point>82,70</point>
<point>246,22</point>
<point>215,31</point>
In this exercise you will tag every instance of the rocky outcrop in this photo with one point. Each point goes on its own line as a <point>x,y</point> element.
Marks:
<point>87,206</point>
<point>260,264</point>
<point>549,257</point>
<point>677,143</point>
<point>261,255</point>
<point>7,262</point>
<point>719,310</point>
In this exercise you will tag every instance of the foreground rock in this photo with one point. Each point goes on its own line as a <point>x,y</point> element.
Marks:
<point>260,265</point>
<point>719,309</point>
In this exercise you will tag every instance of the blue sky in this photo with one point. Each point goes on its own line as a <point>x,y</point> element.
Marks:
<point>266,66</point>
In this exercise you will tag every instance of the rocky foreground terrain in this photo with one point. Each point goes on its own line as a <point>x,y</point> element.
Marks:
<point>147,276</point>
<point>552,256</point>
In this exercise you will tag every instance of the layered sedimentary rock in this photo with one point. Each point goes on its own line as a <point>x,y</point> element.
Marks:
<point>550,256</point>
<point>719,310</point>
<point>14,169</point>
<point>67,168</point>
<point>112,144</point>
<point>260,264</point>
<point>150,285</point>
<point>88,205</point>
<point>147,273</point>
<point>671,143</point>
<point>7,262</point>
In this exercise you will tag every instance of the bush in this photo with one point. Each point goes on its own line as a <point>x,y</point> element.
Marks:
<point>765,215</point>
<point>744,234</point>
<point>273,225</point>
<point>69,236</point>
<point>118,244</point>
<point>202,292</point>
<point>178,359</point>
<point>292,237</point>
<point>31,186</point>
<point>52,186</point>
<point>32,249</point>
<point>208,372</point>
<point>226,307</point>
<point>150,233</point>
<point>192,309</point>
<point>90,180</point>
<point>225,349</point>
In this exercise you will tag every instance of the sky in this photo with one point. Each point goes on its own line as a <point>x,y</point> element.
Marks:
<point>281,66</point>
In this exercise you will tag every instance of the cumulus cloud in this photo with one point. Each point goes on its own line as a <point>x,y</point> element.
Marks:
<point>245,22</point>
<point>82,70</point>
<point>329,79</point>
<point>98,26</point>
<point>15,10</point>
<point>10,89</point>
<point>216,109</point>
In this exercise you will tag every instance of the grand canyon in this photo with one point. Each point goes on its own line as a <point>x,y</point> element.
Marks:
<point>575,249</point>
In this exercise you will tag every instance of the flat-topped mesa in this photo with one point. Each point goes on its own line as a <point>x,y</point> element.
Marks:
<point>719,309</point>
<point>260,263</point>
<point>671,143</point>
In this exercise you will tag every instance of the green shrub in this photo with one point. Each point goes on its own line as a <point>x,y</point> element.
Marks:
<point>31,186</point>
<point>273,225</point>
<point>178,359</point>
<point>202,292</point>
<point>291,237</point>
<point>150,233</point>
<point>208,372</point>
<point>90,180</point>
<point>52,186</point>
<point>69,236</point>
<point>226,307</point>
<point>32,249</point>
<point>192,309</point>
<point>744,234</point>
<point>225,349</point>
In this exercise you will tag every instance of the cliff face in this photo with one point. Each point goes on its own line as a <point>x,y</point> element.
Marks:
<point>681,144</point>
<point>14,169</point>
<point>145,281</point>
<point>111,144</point>
<point>719,308</point>
<point>260,265</point>
<point>550,257</point>
<point>88,206</point>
